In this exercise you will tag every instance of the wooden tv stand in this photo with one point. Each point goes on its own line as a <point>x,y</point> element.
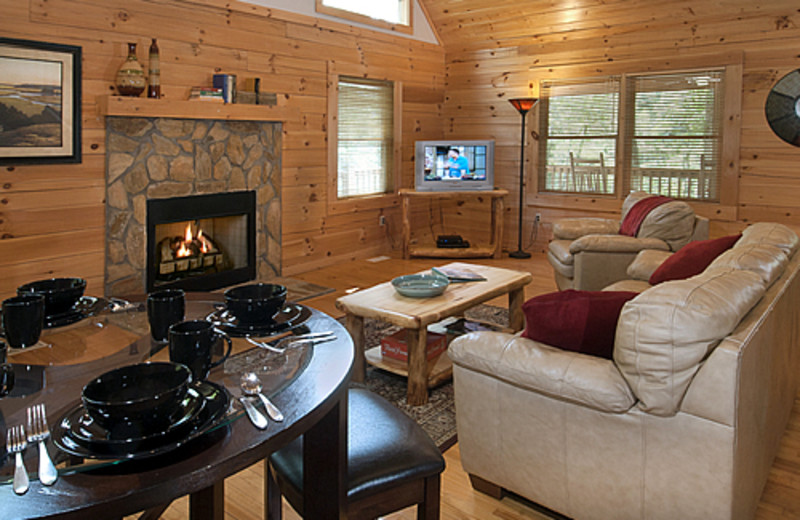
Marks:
<point>494,249</point>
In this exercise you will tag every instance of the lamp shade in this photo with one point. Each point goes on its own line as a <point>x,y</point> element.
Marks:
<point>523,104</point>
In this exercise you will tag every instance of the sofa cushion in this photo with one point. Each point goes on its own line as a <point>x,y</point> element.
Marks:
<point>665,333</point>
<point>692,259</point>
<point>636,215</point>
<point>772,234</point>
<point>579,321</point>
<point>767,261</point>
<point>672,222</point>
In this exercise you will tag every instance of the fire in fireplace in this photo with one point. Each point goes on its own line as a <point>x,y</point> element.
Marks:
<point>201,242</point>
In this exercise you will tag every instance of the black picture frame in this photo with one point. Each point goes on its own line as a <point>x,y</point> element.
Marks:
<point>40,102</point>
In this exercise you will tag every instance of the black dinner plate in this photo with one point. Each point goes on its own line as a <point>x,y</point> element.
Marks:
<point>85,307</point>
<point>288,318</point>
<point>71,434</point>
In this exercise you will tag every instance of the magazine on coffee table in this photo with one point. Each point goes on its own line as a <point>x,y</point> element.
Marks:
<point>458,275</point>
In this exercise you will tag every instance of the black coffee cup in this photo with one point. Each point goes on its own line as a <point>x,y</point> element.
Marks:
<point>6,372</point>
<point>23,319</point>
<point>192,343</point>
<point>165,308</point>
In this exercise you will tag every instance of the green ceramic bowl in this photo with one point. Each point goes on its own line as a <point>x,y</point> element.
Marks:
<point>420,285</point>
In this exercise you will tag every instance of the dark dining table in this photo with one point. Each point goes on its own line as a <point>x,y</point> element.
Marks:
<point>308,384</point>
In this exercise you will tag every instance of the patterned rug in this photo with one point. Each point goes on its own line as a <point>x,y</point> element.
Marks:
<point>438,416</point>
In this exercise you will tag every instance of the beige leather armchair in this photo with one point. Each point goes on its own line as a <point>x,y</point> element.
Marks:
<point>590,254</point>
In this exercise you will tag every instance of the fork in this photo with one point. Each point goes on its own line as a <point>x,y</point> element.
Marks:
<point>284,343</point>
<point>39,432</point>
<point>16,444</point>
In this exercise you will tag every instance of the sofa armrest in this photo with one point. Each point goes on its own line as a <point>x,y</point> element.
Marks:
<point>586,380</point>
<point>646,263</point>
<point>572,228</point>
<point>616,244</point>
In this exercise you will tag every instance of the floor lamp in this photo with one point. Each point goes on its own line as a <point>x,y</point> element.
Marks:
<point>523,105</point>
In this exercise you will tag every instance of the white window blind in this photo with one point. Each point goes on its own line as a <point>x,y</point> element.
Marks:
<point>365,137</point>
<point>676,139</point>
<point>580,134</point>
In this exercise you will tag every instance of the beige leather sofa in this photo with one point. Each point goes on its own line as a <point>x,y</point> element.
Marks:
<point>589,253</point>
<point>684,422</point>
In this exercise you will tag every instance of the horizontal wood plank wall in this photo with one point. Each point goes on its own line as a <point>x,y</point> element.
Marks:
<point>498,50</point>
<point>52,217</point>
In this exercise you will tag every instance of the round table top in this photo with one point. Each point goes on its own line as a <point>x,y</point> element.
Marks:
<point>54,372</point>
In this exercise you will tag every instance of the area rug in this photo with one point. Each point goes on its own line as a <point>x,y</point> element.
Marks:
<point>438,416</point>
<point>299,290</point>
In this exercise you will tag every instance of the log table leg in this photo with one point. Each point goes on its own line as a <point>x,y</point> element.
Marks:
<point>355,326</point>
<point>516,318</point>
<point>417,340</point>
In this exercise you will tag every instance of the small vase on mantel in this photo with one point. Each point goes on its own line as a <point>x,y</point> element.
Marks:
<point>130,76</point>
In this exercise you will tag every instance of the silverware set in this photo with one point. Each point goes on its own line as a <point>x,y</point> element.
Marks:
<point>17,442</point>
<point>251,385</point>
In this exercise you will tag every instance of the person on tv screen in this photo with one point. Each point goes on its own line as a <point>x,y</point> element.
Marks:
<point>457,165</point>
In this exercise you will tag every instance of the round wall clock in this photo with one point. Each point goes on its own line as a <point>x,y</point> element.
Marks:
<point>783,108</point>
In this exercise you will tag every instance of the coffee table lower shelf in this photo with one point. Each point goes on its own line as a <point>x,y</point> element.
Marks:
<point>440,369</point>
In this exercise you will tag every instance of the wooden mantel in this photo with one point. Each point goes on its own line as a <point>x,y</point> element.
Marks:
<point>184,109</point>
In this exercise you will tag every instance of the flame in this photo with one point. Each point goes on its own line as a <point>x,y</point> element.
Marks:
<point>190,244</point>
<point>205,246</point>
<point>183,251</point>
<point>188,234</point>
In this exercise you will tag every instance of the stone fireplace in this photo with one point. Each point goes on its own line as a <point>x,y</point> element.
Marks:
<point>152,158</point>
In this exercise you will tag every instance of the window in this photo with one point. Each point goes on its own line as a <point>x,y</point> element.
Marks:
<point>393,14</point>
<point>365,137</point>
<point>660,133</point>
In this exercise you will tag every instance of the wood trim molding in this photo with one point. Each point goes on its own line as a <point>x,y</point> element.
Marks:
<point>185,109</point>
<point>368,20</point>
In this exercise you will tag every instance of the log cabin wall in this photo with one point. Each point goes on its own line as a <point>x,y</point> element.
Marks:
<point>52,217</point>
<point>499,50</point>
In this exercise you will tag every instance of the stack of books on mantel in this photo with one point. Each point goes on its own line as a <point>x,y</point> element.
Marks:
<point>212,94</point>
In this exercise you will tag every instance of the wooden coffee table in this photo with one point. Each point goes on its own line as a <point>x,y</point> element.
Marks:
<point>382,302</point>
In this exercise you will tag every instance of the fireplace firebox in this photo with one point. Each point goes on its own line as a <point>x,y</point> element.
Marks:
<point>201,242</point>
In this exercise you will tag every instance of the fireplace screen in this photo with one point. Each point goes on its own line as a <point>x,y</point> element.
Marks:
<point>202,242</point>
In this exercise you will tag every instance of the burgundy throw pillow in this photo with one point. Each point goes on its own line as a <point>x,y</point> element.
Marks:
<point>636,215</point>
<point>692,259</point>
<point>579,321</point>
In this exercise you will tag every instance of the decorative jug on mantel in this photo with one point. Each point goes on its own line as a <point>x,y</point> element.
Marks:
<point>130,76</point>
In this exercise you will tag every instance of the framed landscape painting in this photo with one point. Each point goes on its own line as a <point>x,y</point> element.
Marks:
<point>40,102</point>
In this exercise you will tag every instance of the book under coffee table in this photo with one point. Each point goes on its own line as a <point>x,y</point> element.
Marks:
<point>382,302</point>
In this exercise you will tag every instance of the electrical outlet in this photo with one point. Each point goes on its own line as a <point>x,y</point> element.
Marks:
<point>537,218</point>
<point>382,220</point>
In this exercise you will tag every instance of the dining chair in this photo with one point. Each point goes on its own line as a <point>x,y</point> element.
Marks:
<point>391,464</point>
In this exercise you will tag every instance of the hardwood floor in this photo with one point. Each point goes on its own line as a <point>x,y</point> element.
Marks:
<point>244,491</point>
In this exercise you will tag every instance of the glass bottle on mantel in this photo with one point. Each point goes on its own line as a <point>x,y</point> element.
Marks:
<point>154,73</point>
<point>130,76</point>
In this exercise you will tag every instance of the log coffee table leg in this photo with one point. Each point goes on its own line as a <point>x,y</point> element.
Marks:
<point>355,326</point>
<point>417,340</point>
<point>516,318</point>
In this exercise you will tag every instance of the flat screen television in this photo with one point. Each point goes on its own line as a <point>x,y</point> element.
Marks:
<point>454,165</point>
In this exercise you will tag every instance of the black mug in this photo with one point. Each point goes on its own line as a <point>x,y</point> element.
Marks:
<point>6,372</point>
<point>164,309</point>
<point>23,319</point>
<point>192,343</point>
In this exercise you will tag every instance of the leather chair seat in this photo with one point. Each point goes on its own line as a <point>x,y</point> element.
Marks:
<point>386,451</point>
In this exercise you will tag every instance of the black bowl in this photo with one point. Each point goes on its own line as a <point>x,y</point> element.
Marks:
<point>60,294</point>
<point>255,303</point>
<point>144,396</point>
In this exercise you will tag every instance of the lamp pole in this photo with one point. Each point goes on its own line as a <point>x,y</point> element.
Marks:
<point>523,105</point>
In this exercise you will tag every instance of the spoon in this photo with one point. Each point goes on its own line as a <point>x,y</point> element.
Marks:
<point>251,385</point>
<point>256,417</point>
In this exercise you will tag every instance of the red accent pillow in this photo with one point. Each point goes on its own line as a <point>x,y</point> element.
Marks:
<point>692,259</point>
<point>579,321</point>
<point>636,215</point>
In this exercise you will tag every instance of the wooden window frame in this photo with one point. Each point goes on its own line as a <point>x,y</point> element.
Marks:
<point>368,20</point>
<point>724,209</point>
<point>363,202</point>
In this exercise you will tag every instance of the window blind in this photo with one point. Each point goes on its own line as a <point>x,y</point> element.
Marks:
<point>580,134</point>
<point>365,137</point>
<point>676,138</point>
